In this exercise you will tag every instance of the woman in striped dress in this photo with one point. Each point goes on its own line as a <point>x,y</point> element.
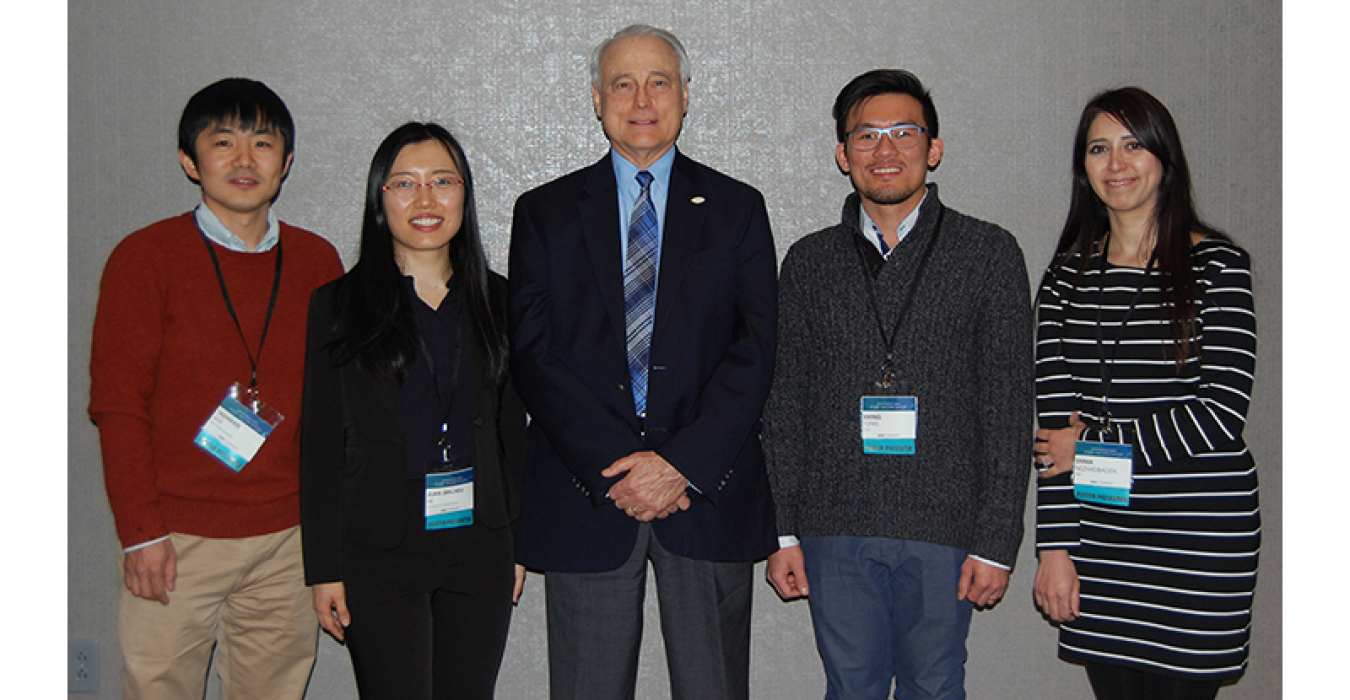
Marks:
<point>1146,339</point>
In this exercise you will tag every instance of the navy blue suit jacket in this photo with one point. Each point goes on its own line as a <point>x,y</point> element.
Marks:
<point>712,358</point>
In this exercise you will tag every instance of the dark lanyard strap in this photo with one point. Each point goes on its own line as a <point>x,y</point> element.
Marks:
<point>271,306</point>
<point>1108,363</point>
<point>890,339</point>
<point>454,369</point>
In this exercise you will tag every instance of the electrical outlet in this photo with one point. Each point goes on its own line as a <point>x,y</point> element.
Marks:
<point>82,665</point>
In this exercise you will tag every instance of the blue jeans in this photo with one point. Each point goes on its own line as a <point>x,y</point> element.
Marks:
<point>886,610</point>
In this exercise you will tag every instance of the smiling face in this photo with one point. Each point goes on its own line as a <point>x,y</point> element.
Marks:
<point>1124,174</point>
<point>240,171</point>
<point>640,100</point>
<point>422,218</point>
<point>888,176</point>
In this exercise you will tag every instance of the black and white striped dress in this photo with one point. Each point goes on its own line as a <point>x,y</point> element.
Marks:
<point>1167,581</point>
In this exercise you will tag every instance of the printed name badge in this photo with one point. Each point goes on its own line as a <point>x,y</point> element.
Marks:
<point>449,499</point>
<point>889,424</point>
<point>237,429</point>
<point>1102,472</point>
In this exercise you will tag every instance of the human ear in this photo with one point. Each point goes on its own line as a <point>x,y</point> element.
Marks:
<point>189,166</point>
<point>934,153</point>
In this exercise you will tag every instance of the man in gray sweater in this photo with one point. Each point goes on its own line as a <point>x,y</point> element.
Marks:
<point>898,431</point>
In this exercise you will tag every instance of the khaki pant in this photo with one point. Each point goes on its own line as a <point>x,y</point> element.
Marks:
<point>246,596</point>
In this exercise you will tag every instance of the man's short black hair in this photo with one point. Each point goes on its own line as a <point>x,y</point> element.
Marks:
<point>238,101</point>
<point>882,82</point>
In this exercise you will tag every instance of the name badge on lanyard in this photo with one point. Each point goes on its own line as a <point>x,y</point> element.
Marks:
<point>241,423</point>
<point>1103,472</point>
<point>238,427</point>
<point>889,424</point>
<point>449,491</point>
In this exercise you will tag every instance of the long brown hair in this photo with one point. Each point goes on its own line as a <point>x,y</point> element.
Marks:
<point>1174,216</point>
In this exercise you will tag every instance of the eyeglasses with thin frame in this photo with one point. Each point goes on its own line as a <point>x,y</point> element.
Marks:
<point>866,138</point>
<point>407,189</point>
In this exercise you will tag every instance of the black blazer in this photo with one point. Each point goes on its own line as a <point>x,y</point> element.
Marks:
<point>712,358</point>
<point>352,476</point>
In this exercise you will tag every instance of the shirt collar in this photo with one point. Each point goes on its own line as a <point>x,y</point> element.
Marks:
<point>872,232</point>
<point>625,172</point>
<point>221,235</point>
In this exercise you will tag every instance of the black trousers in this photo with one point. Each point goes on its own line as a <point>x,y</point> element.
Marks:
<point>595,626</point>
<point>429,619</point>
<point>1120,683</point>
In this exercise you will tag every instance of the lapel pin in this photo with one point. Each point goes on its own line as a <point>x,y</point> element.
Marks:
<point>697,200</point>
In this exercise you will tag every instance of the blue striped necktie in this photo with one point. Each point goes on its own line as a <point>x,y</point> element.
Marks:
<point>639,289</point>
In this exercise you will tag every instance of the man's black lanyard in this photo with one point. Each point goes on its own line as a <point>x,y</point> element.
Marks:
<point>888,365</point>
<point>271,306</point>
<point>1108,363</point>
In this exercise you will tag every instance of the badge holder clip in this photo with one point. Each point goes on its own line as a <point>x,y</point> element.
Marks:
<point>238,427</point>
<point>449,490</point>
<point>1103,472</point>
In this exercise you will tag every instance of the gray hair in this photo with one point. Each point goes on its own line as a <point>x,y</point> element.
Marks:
<point>633,30</point>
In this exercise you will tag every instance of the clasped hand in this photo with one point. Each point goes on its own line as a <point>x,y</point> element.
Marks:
<point>650,488</point>
<point>1054,448</point>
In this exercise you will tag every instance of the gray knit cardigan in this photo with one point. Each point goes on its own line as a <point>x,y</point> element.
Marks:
<point>965,350</point>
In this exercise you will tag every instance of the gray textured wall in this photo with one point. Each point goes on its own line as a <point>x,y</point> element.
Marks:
<point>509,78</point>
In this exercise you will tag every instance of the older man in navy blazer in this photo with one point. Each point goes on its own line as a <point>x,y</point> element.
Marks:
<point>643,318</point>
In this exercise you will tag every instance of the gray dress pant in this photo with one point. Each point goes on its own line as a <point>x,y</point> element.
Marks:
<point>595,626</point>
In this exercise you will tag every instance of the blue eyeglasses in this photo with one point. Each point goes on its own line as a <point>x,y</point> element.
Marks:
<point>866,138</point>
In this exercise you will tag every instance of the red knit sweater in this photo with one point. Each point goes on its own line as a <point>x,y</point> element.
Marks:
<point>165,351</point>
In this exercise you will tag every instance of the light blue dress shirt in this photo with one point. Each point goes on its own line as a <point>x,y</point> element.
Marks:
<point>211,225</point>
<point>625,176</point>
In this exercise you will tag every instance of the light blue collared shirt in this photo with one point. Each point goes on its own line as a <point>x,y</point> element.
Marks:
<point>873,231</point>
<point>211,225</point>
<point>625,176</point>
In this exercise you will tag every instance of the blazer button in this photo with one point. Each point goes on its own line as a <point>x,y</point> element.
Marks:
<point>621,387</point>
<point>477,421</point>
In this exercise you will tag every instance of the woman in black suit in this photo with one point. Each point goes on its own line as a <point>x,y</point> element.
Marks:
<point>412,438</point>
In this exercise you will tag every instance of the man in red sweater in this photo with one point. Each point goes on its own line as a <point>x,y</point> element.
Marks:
<point>197,365</point>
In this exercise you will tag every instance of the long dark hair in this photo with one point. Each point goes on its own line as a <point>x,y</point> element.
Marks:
<point>373,318</point>
<point>1174,216</point>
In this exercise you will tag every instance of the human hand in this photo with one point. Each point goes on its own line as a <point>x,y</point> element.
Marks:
<point>1056,588</point>
<point>519,586</point>
<point>1054,449</point>
<point>151,571</point>
<point>982,584</point>
<point>651,488</point>
<point>330,604</point>
<point>786,572</point>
